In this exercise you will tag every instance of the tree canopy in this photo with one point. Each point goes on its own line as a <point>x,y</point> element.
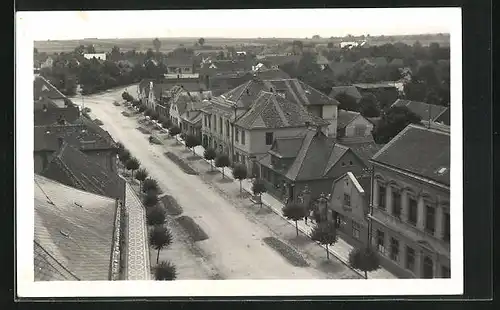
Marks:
<point>392,122</point>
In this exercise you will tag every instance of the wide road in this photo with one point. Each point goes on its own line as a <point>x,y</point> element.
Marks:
<point>235,245</point>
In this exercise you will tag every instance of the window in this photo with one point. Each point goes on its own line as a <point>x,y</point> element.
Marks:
<point>340,221</point>
<point>243,159</point>
<point>428,272</point>
<point>355,229</point>
<point>394,249</point>
<point>186,69</point>
<point>446,234</point>
<point>445,272</point>
<point>227,128</point>
<point>220,125</point>
<point>236,135</point>
<point>347,200</point>
<point>430,219</point>
<point>350,163</point>
<point>410,259</point>
<point>243,137</point>
<point>381,197</point>
<point>380,241</point>
<point>359,131</point>
<point>269,138</point>
<point>412,212</point>
<point>237,157</point>
<point>396,203</point>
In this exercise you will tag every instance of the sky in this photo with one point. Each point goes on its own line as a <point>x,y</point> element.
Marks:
<point>289,23</point>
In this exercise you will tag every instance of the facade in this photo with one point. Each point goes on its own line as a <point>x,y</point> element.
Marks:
<point>99,56</point>
<point>180,65</point>
<point>77,234</point>
<point>310,160</point>
<point>348,207</point>
<point>411,203</point>
<point>226,119</point>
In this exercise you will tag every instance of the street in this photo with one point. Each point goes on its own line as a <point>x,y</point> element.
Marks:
<point>235,246</point>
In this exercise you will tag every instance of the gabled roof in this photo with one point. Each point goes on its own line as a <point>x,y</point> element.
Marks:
<point>270,110</point>
<point>73,233</point>
<point>282,59</point>
<point>287,147</point>
<point>180,61</point>
<point>293,90</point>
<point>365,150</point>
<point>349,90</point>
<point>52,115</point>
<point>73,168</point>
<point>420,151</point>
<point>82,134</point>
<point>344,118</point>
<point>422,109</point>
<point>225,66</point>
<point>361,183</point>
<point>376,85</point>
<point>316,157</point>
<point>321,60</point>
<point>43,88</point>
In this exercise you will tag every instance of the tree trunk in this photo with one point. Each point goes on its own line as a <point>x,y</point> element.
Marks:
<point>240,186</point>
<point>366,275</point>
<point>327,252</point>
<point>211,165</point>
<point>260,200</point>
<point>132,174</point>
<point>158,256</point>
<point>296,228</point>
<point>223,172</point>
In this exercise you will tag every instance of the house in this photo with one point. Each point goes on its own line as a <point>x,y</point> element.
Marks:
<point>77,234</point>
<point>428,112</point>
<point>83,134</point>
<point>191,118</point>
<point>98,56</point>
<point>348,44</point>
<point>46,95</point>
<point>352,127</point>
<point>411,203</point>
<point>215,68</point>
<point>223,111</point>
<point>322,62</point>
<point>348,206</point>
<point>348,90</point>
<point>377,61</point>
<point>46,63</point>
<point>310,159</point>
<point>72,167</point>
<point>51,115</point>
<point>276,61</point>
<point>180,65</point>
<point>385,92</point>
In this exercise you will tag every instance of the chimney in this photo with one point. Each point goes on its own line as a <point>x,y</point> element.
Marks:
<point>308,124</point>
<point>60,141</point>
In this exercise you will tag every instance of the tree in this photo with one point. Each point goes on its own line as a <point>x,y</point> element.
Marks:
<point>124,156</point>
<point>347,102</point>
<point>160,238</point>
<point>140,176</point>
<point>115,53</point>
<point>201,41</point>
<point>155,215</point>
<point>192,141</point>
<point>240,173</point>
<point>166,123</point>
<point>298,44</point>
<point>258,188</point>
<point>149,185</point>
<point>392,122</point>
<point>165,271</point>
<point>329,45</point>
<point>148,112</point>
<point>157,44</point>
<point>132,164</point>
<point>326,234</point>
<point>91,49</point>
<point>369,107</point>
<point>150,199</point>
<point>142,108</point>
<point>364,259</point>
<point>210,155</point>
<point>127,97</point>
<point>150,54</point>
<point>294,212</point>
<point>222,161</point>
<point>174,131</point>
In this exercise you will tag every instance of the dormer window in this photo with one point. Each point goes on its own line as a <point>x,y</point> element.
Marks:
<point>442,170</point>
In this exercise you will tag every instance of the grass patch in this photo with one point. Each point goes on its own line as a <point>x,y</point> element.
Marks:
<point>155,140</point>
<point>126,114</point>
<point>171,205</point>
<point>194,230</point>
<point>144,130</point>
<point>286,251</point>
<point>98,122</point>
<point>180,163</point>
<point>116,103</point>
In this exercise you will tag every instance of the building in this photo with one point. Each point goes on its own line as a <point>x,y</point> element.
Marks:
<point>310,159</point>
<point>322,62</point>
<point>77,234</point>
<point>411,203</point>
<point>46,95</point>
<point>340,68</point>
<point>352,127</point>
<point>215,68</point>
<point>348,206</point>
<point>185,112</point>
<point>180,65</point>
<point>98,56</point>
<point>83,134</point>
<point>223,111</point>
<point>427,112</point>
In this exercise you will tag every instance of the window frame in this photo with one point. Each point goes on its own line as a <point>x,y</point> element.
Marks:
<point>271,135</point>
<point>356,230</point>
<point>413,258</point>
<point>382,193</point>
<point>394,251</point>
<point>380,246</point>
<point>427,222</point>
<point>347,200</point>
<point>410,221</point>
<point>396,203</point>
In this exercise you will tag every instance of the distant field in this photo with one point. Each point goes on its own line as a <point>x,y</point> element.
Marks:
<point>168,44</point>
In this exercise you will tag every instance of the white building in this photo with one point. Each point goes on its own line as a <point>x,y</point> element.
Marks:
<point>100,56</point>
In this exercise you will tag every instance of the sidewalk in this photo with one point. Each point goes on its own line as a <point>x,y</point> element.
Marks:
<point>340,249</point>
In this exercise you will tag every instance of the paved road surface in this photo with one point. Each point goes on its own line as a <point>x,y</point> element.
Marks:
<point>235,245</point>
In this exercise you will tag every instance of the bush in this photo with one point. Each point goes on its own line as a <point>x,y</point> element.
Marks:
<point>150,199</point>
<point>171,206</point>
<point>210,155</point>
<point>166,124</point>
<point>364,259</point>
<point>116,103</point>
<point>150,184</point>
<point>194,230</point>
<point>192,142</point>
<point>165,271</point>
<point>124,156</point>
<point>258,188</point>
<point>222,161</point>
<point>155,216</point>
<point>159,238</point>
<point>326,234</point>
<point>294,212</point>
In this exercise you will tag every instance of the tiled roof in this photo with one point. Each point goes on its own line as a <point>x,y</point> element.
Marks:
<point>444,117</point>
<point>349,90</point>
<point>180,61</point>
<point>421,151</point>
<point>270,110</point>
<point>73,233</point>
<point>282,59</point>
<point>375,85</point>
<point>226,66</point>
<point>287,147</point>
<point>43,88</point>
<point>166,85</point>
<point>293,90</point>
<point>422,109</point>
<point>52,115</point>
<point>378,61</point>
<point>344,118</point>
<point>271,74</point>
<point>44,103</point>
<point>81,134</point>
<point>365,151</point>
<point>316,157</point>
<point>73,168</point>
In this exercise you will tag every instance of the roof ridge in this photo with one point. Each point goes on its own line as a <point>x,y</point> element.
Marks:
<point>390,143</point>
